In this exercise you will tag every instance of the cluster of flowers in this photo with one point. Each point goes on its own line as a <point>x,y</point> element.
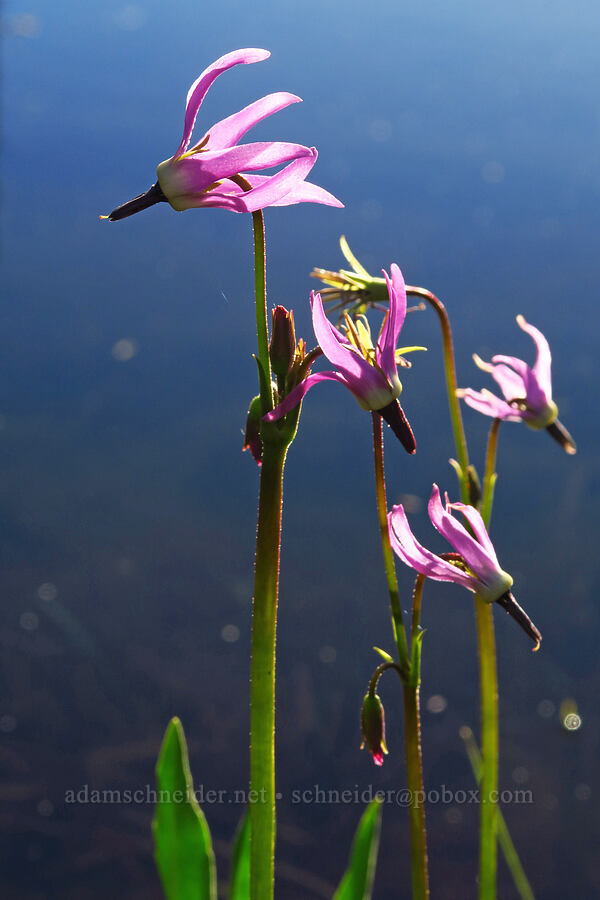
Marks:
<point>218,171</point>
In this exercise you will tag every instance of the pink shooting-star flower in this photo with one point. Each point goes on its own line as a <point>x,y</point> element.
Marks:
<point>527,391</point>
<point>369,372</point>
<point>203,175</point>
<point>474,564</point>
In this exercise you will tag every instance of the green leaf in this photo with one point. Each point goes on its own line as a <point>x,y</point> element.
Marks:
<point>265,390</point>
<point>182,843</point>
<point>384,655</point>
<point>415,665</point>
<point>457,468</point>
<point>239,887</point>
<point>357,882</point>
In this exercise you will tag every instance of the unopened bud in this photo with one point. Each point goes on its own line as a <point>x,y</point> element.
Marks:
<point>282,348</point>
<point>372,723</point>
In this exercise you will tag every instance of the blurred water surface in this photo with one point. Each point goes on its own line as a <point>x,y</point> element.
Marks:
<point>463,140</point>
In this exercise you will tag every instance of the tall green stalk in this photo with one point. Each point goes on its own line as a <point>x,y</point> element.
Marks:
<point>388,553</point>
<point>409,670</point>
<point>488,794</point>
<point>260,299</point>
<point>414,783</point>
<point>264,603</point>
<point>414,759</point>
<point>488,677</point>
<point>262,685</point>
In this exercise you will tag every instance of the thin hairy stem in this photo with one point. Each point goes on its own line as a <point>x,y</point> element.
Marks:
<point>388,555</point>
<point>460,439</point>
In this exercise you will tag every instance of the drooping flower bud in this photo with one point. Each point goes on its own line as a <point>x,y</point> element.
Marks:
<point>282,348</point>
<point>372,723</point>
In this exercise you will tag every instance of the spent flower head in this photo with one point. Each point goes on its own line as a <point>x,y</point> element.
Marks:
<point>354,289</point>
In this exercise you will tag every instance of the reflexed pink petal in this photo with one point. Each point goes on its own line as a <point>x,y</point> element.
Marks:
<point>228,131</point>
<point>199,88</point>
<point>474,519</point>
<point>231,197</point>
<point>456,534</point>
<point>302,192</point>
<point>520,367</point>
<point>277,187</point>
<point>542,367</point>
<point>394,321</point>
<point>511,384</point>
<point>294,397</point>
<point>335,346</point>
<point>534,395</point>
<point>413,554</point>
<point>487,403</point>
<point>207,167</point>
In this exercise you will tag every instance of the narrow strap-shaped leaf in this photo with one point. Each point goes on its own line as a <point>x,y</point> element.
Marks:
<point>239,885</point>
<point>357,882</point>
<point>504,839</point>
<point>183,847</point>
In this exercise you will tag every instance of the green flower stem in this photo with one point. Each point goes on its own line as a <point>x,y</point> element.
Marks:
<point>489,479</point>
<point>485,624</point>
<point>264,604</point>
<point>489,749</point>
<point>415,625</point>
<point>414,760</point>
<point>262,686</point>
<point>381,668</point>
<point>409,672</point>
<point>414,780</point>
<point>450,370</point>
<point>504,839</point>
<point>388,554</point>
<point>260,295</point>
<point>489,701</point>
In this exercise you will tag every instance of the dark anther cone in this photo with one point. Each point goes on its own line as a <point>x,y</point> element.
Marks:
<point>558,431</point>
<point>153,195</point>
<point>394,416</point>
<point>508,603</point>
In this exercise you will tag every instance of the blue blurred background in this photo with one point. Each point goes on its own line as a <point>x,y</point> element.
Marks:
<point>463,139</point>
